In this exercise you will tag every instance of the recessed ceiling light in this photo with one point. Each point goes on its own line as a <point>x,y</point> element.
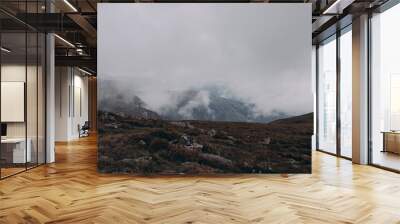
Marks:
<point>70,5</point>
<point>84,71</point>
<point>64,40</point>
<point>335,4</point>
<point>5,50</point>
<point>337,7</point>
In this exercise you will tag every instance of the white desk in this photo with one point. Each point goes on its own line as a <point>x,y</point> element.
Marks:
<point>19,153</point>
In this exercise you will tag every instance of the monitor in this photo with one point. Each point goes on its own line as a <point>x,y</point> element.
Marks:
<point>3,129</point>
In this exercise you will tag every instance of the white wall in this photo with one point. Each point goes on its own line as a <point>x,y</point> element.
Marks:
<point>12,73</point>
<point>80,110</point>
<point>62,82</point>
<point>71,102</point>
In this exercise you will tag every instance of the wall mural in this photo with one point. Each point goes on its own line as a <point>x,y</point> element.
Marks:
<point>204,88</point>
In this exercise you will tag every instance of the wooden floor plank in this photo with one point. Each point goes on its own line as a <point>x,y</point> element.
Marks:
<point>72,191</point>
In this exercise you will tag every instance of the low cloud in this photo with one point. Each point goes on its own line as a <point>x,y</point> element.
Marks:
<point>259,55</point>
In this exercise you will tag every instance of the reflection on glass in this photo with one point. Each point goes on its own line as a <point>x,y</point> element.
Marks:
<point>346,94</point>
<point>394,101</point>
<point>41,98</point>
<point>14,153</point>
<point>31,100</point>
<point>22,91</point>
<point>327,96</point>
<point>385,93</point>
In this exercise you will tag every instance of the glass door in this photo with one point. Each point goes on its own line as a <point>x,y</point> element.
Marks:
<point>14,153</point>
<point>327,95</point>
<point>22,78</point>
<point>346,92</point>
<point>385,89</point>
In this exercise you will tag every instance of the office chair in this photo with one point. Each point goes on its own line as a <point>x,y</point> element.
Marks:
<point>84,130</point>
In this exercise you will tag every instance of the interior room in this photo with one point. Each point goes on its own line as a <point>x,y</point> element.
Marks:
<point>385,90</point>
<point>142,111</point>
<point>71,103</point>
<point>22,100</point>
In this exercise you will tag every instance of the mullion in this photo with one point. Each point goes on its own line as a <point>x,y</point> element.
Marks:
<point>26,86</point>
<point>338,97</point>
<point>37,90</point>
<point>317,96</point>
<point>0,98</point>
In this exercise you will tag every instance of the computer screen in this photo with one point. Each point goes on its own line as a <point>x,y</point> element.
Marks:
<point>3,129</point>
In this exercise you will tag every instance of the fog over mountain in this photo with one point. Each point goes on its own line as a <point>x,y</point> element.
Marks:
<point>208,103</point>
<point>207,61</point>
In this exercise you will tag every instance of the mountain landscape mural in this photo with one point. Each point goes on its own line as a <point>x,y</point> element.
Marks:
<point>212,97</point>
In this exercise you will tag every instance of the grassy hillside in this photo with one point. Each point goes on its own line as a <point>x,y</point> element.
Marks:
<point>147,146</point>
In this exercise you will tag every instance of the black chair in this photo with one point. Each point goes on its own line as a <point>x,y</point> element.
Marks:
<point>84,130</point>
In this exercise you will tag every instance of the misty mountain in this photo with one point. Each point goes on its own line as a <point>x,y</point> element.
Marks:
<point>211,104</point>
<point>119,99</point>
<point>135,107</point>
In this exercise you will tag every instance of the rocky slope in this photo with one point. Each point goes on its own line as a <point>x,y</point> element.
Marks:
<point>155,146</point>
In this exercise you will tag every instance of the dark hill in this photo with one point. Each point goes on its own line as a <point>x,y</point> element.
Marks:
<point>134,107</point>
<point>305,118</point>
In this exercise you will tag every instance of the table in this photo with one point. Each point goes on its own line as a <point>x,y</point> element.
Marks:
<point>391,141</point>
<point>13,150</point>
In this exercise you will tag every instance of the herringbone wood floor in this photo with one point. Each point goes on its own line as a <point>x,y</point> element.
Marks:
<point>71,191</point>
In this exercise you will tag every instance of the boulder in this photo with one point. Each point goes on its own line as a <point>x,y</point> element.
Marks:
<point>196,168</point>
<point>231,138</point>
<point>186,140</point>
<point>266,141</point>
<point>194,146</point>
<point>215,160</point>
<point>184,153</point>
<point>189,125</point>
<point>211,132</point>
<point>143,159</point>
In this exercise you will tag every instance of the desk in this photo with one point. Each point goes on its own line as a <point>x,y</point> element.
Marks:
<point>15,148</point>
<point>391,141</point>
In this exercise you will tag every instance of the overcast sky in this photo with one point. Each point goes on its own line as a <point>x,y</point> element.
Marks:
<point>261,53</point>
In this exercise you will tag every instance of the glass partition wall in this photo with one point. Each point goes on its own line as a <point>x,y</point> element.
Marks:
<point>345,91</point>
<point>22,98</point>
<point>13,85</point>
<point>334,106</point>
<point>327,95</point>
<point>385,89</point>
